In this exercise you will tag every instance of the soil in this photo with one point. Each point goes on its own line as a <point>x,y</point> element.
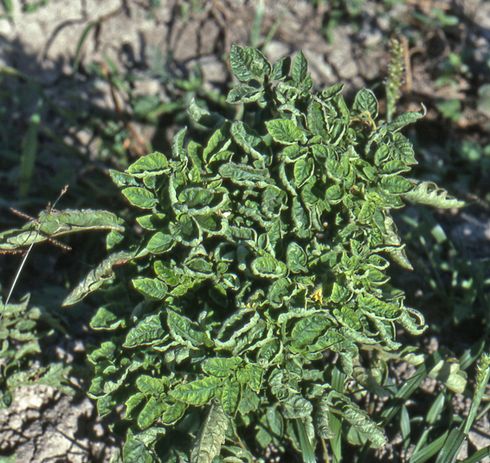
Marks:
<point>44,425</point>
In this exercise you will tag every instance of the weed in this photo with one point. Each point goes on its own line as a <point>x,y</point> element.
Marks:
<point>20,335</point>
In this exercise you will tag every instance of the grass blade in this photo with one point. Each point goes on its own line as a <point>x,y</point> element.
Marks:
<point>338,381</point>
<point>482,379</point>
<point>404,393</point>
<point>336,441</point>
<point>451,447</point>
<point>28,156</point>
<point>405,426</point>
<point>428,452</point>
<point>255,32</point>
<point>478,456</point>
<point>8,6</point>
<point>81,41</point>
<point>307,450</point>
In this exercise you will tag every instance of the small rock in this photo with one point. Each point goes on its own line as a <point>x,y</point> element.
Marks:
<point>479,440</point>
<point>276,50</point>
<point>320,69</point>
<point>213,70</point>
<point>16,423</point>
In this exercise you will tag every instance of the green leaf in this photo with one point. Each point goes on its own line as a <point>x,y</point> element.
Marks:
<point>303,170</point>
<point>316,120</point>
<point>244,94</point>
<point>280,69</point>
<point>202,116</point>
<point>482,380</point>
<point>430,194</point>
<point>246,138</point>
<point>230,396</point>
<point>196,197</point>
<point>477,457</point>
<point>152,164</point>
<point>249,401</point>
<point>274,200</point>
<point>450,449</point>
<point>132,404</point>
<point>244,175</point>
<point>97,277</point>
<point>449,372</point>
<point>373,306</point>
<point>323,425</point>
<point>160,243</point>
<point>211,437</point>
<point>308,329</point>
<point>297,407</point>
<point>218,141</point>
<point>197,393</point>
<point>268,267</point>
<point>221,366</point>
<point>404,119</point>
<point>248,63</point>
<point>299,69</point>
<point>147,331</point>
<point>149,385</point>
<point>285,131</point>
<point>151,221</point>
<point>151,287</point>
<point>106,319</point>
<point>178,151</point>
<point>300,218</point>
<point>251,375</point>
<point>140,197</point>
<point>278,291</point>
<point>173,413</point>
<point>292,153</point>
<point>304,437</point>
<point>366,102</point>
<point>199,265</point>
<point>396,184</point>
<point>296,258</point>
<point>150,412</point>
<point>275,421</point>
<point>334,194</point>
<point>135,451</point>
<point>53,224</point>
<point>382,154</point>
<point>396,250</point>
<point>403,149</point>
<point>331,91</point>
<point>184,330</point>
<point>426,453</point>
<point>121,179</point>
<point>358,419</point>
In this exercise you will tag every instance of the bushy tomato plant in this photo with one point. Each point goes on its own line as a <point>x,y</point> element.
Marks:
<point>249,301</point>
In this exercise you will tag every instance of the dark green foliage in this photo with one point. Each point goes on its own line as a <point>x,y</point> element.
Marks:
<point>261,304</point>
<point>20,336</point>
